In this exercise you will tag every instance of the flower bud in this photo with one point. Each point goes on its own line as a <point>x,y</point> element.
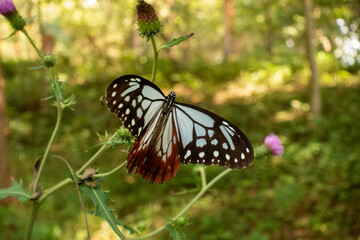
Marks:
<point>49,60</point>
<point>148,22</point>
<point>8,10</point>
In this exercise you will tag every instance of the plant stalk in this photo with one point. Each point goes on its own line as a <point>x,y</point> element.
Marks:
<point>32,43</point>
<point>47,150</point>
<point>155,62</point>
<point>96,155</point>
<point>121,166</point>
<point>31,222</point>
<point>194,200</point>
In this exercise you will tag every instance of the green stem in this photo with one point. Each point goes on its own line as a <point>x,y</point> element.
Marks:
<point>155,62</point>
<point>32,43</point>
<point>47,150</point>
<point>121,166</point>
<point>31,222</point>
<point>199,195</point>
<point>50,191</point>
<point>203,176</point>
<point>194,200</point>
<point>53,189</point>
<point>96,155</point>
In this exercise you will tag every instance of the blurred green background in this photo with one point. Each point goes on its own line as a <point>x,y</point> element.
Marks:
<point>259,81</point>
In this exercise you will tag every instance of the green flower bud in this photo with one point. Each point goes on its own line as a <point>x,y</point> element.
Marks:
<point>181,221</point>
<point>49,60</point>
<point>148,22</point>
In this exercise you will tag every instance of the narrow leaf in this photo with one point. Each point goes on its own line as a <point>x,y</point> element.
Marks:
<point>12,34</point>
<point>47,98</point>
<point>127,227</point>
<point>16,190</point>
<point>176,41</point>
<point>99,198</point>
<point>37,67</point>
<point>32,18</point>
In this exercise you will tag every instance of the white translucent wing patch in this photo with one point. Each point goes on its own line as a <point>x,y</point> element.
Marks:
<point>135,100</point>
<point>206,138</point>
<point>205,119</point>
<point>185,127</point>
<point>151,93</point>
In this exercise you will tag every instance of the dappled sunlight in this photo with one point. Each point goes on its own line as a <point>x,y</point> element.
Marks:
<point>104,232</point>
<point>298,109</point>
<point>247,61</point>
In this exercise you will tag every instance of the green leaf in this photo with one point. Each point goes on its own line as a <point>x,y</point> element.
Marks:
<point>32,18</point>
<point>99,198</point>
<point>175,232</point>
<point>47,98</point>
<point>16,190</point>
<point>176,41</point>
<point>127,227</point>
<point>12,34</point>
<point>37,67</point>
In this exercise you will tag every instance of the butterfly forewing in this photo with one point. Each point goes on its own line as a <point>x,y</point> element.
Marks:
<point>168,132</point>
<point>206,138</point>
<point>135,101</point>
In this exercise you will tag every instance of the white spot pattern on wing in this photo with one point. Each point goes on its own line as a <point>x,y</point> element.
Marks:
<point>129,90</point>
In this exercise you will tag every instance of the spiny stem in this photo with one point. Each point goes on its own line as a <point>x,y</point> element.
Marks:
<point>194,200</point>
<point>155,62</point>
<point>56,85</point>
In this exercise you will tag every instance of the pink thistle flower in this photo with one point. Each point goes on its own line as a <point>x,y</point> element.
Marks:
<point>7,7</point>
<point>273,143</point>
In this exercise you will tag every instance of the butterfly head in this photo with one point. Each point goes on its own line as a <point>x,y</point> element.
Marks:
<point>170,102</point>
<point>171,95</point>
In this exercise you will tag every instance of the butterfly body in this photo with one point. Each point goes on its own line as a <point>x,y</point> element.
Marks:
<point>168,132</point>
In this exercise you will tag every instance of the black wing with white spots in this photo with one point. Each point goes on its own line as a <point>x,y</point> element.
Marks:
<point>206,138</point>
<point>168,132</point>
<point>135,101</point>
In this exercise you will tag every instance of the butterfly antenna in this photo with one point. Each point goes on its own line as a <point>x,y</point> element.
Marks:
<point>179,96</point>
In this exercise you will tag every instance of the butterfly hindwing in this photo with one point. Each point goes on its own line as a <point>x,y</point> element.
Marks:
<point>135,101</point>
<point>156,162</point>
<point>206,138</point>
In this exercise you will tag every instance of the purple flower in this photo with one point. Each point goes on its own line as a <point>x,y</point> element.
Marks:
<point>7,7</point>
<point>273,143</point>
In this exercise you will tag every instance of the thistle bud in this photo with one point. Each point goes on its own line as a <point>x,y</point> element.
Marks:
<point>147,20</point>
<point>49,60</point>
<point>8,10</point>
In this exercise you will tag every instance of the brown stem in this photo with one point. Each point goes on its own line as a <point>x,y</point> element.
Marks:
<point>77,190</point>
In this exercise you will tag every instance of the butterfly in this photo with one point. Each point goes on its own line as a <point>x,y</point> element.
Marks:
<point>168,133</point>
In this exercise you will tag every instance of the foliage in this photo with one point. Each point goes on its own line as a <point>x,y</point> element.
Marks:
<point>99,199</point>
<point>16,190</point>
<point>311,193</point>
